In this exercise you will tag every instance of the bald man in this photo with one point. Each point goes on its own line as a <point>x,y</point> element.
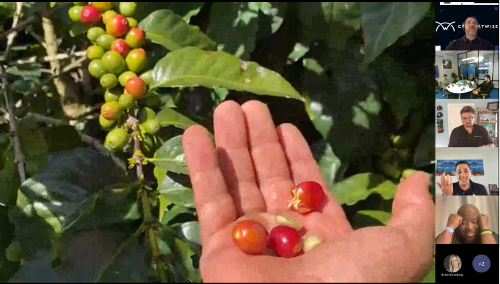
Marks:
<point>468,226</point>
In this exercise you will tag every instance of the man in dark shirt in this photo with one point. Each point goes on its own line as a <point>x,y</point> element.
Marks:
<point>469,134</point>
<point>470,41</point>
<point>468,226</point>
<point>464,186</point>
<point>485,87</point>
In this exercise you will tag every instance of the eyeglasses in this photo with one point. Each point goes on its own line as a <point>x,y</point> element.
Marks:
<point>468,118</point>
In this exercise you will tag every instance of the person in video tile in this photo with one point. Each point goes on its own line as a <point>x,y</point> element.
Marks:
<point>462,77</point>
<point>455,263</point>
<point>469,134</point>
<point>468,226</point>
<point>470,41</point>
<point>464,186</point>
<point>485,87</point>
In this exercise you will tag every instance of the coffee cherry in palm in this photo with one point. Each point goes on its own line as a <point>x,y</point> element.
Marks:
<point>136,60</point>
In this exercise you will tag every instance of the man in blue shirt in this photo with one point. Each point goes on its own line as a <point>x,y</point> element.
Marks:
<point>470,41</point>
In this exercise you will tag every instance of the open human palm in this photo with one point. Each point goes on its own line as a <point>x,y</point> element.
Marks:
<point>249,174</point>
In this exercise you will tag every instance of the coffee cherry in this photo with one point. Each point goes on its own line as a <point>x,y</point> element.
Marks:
<point>107,15</point>
<point>113,62</point>
<point>136,60</point>
<point>306,197</point>
<point>111,110</point>
<point>250,236</point>
<point>96,69</point>
<point>285,241</point>
<point>102,6</point>
<point>152,101</point>
<point>147,76</point>
<point>135,37</point>
<point>75,12</point>
<point>145,113</point>
<point>117,25</point>
<point>105,41</point>
<point>90,15</point>
<point>120,46</point>
<point>132,22</point>
<point>105,123</point>
<point>126,101</point>
<point>94,52</point>
<point>151,126</point>
<point>123,78</point>
<point>80,3</point>
<point>113,94</point>
<point>117,139</point>
<point>136,87</point>
<point>94,32</point>
<point>127,8</point>
<point>109,81</point>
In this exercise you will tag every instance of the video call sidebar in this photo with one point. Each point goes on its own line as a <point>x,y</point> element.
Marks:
<point>467,41</point>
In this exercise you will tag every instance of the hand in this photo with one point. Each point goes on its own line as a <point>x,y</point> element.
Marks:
<point>483,221</point>
<point>250,175</point>
<point>446,184</point>
<point>454,221</point>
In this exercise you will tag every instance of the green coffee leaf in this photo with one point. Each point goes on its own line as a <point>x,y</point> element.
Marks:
<point>168,116</point>
<point>171,157</point>
<point>358,187</point>
<point>168,29</point>
<point>191,67</point>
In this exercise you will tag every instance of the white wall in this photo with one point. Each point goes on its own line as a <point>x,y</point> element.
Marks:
<point>488,155</point>
<point>438,61</point>
<point>442,139</point>
<point>445,205</point>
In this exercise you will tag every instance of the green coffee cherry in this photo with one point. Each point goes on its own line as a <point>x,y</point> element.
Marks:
<point>125,76</point>
<point>145,113</point>
<point>151,126</point>
<point>126,101</point>
<point>117,139</point>
<point>113,62</point>
<point>94,32</point>
<point>95,68</point>
<point>112,95</point>
<point>105,41</point>
<point>109,81</point>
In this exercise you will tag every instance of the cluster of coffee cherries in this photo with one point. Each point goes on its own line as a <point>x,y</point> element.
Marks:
<point>117,60</point>
<point>285,239</point>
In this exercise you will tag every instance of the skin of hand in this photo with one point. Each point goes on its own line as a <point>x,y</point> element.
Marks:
<point>249,175</point>
<point>446,184</point>
<point>454,221</point>
<point>483,221</point>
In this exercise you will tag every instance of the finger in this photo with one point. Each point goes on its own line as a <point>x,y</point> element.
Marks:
<point>303,167</point>
<point>269,160</point>
<point>234,158</point>
<point>214,205</point>
<point>439,185</point>
<point>413,216</point>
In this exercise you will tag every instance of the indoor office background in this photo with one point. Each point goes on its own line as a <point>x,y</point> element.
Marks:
<point>451,118</point>
<point>477,63</point>
<point>490,164</point>
<point>445,205</point>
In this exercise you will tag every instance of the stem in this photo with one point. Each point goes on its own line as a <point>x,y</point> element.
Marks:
<point>18,152</point>
<point>146,207</point>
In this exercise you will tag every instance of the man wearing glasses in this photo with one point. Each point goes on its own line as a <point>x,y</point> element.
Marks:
<point>469,134</point>
<point>470,41</point>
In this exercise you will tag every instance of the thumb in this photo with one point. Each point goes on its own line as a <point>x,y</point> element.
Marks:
<point>413,213</point>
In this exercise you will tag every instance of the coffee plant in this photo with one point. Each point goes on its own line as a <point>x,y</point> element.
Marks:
<point>96,96</point>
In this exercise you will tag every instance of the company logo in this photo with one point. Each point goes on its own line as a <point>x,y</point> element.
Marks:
<point>445,26</point>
